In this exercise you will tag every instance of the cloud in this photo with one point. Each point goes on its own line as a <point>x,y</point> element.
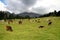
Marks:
<point>2,6</point>
<point>39,6</point>
<point>29,2</point>
<point>40,10</point>
<point>16,6</point>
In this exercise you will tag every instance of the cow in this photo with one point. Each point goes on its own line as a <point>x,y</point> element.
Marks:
<point>10,21</point>
<point>9,28</point>
<point>35,20</point>
<point>38,21</point>
<point>20,22</point>
<point>50,23</point>
<point>48,20</point>
<point>41,26</point>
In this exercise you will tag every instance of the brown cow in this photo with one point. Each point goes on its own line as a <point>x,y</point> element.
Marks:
<point>35,20</point>
<point>50,23</point>
<point>20,22</point>
<point>9,28</point>
<point>10,21</point>
<point>38,21</point>
<point>41,26</point>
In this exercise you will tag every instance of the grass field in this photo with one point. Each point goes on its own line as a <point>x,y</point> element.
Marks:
<point>29,30</point>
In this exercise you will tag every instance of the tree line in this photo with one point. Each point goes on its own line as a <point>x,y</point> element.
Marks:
<point>7,15</point>
<point>54,14</point>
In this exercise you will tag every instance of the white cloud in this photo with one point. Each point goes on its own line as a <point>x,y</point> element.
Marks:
<point>2,6</point>
<point>39,6</point>
<point>40,10</point>
<point>16,6</point>
<point>47,5</point>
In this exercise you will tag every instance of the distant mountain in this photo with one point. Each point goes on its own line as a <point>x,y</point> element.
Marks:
<point>8,13</point>
<point>30,14</point>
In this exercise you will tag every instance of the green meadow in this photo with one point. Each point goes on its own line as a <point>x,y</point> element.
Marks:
<point>29,29</point>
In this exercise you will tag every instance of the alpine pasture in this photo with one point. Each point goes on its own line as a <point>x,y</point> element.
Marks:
<point>29,29</point>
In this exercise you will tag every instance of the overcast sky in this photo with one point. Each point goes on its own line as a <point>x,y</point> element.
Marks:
<point>38,6</point>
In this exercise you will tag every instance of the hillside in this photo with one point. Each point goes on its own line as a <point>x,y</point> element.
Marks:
<point>31,14</point>
<point>29,30</point>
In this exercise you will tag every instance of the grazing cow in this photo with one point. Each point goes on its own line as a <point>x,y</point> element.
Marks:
<point>32,21</point>
<point>10,21</point>
<point>38,21</point>
<point>35,20</point>
<point>9,28</point>
<point>50,23</point>
<point>41,26</point>
<point>48,20</point>
<point>20,22</point>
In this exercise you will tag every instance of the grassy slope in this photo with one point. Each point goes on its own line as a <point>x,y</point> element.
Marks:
<point>30,31</point>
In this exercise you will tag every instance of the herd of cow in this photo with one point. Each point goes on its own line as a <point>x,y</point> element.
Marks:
<point>9,28</point>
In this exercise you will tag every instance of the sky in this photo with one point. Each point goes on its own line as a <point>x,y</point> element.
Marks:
<point>38,6</point>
